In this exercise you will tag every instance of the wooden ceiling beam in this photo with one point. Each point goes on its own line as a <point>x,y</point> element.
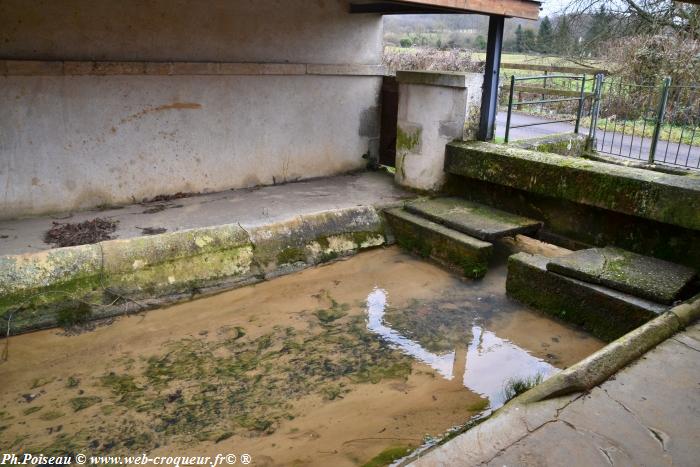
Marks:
<point>527,9</point>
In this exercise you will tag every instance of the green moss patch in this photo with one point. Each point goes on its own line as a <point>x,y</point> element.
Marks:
<point>667,198</point>
<point>83,402</point>
<point>389,456</point>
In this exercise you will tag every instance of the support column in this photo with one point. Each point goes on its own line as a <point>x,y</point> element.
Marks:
<point>435,108</point>
<point>489,100</point>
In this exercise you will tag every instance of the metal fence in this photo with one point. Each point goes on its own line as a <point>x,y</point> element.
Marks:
<point>575,97</point>
<point>655,123</point>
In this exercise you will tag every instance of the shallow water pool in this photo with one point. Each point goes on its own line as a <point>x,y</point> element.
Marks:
<point>330,366</point>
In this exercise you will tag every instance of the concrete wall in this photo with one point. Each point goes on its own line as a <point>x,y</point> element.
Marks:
<point>79,134</point>
<point>314,31</point>
<point>435,108</point>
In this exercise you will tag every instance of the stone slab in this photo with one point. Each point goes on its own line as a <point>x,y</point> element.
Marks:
<point>604,312</point>
<point>643,276</point>
<point>249,207</point>
<point>450,79</point>
<point>672,199</point>
<point>447,246</point>
<point>478,220</point>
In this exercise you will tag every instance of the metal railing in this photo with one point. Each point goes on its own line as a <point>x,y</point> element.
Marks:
<point>580,99</point>
<point>655,123</point>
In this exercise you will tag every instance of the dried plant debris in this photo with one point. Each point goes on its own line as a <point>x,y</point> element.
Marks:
<point>161,198</point>
<point>153,230</point>
<point>80,233</point>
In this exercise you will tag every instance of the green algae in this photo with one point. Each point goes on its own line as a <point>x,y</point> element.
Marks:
<point>83,402</point>
<point>72,382</point>
<point>332,313</point>
<point>51,415</point>
<point>72,316</point>
<point>389,456</point>
<point>480,406</point>
<point>197,389</point>
<point>39,382</point>
<point>31,410</point>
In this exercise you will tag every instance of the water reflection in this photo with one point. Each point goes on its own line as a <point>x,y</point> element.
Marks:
<point>483,364</point>
<point>376,305</point>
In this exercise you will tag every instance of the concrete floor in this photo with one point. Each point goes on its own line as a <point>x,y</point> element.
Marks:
<point>648,414</point>
<point>249,207</point>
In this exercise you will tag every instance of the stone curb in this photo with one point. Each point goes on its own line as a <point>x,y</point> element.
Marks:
<point>604,363</point>
<point>120,276</point>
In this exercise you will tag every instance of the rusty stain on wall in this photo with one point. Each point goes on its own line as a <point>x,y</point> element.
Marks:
<point>160,108</point>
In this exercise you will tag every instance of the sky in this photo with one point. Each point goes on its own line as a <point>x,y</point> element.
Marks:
<point>552,6</point>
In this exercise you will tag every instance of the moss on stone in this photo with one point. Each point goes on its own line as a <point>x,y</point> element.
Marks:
<point>71,316</point>
<point>530,283</point>
<point>428,239</point>
<point>291,255</point>
<point>662,197</point>
<point>407,140</point>
<point>43,289</point>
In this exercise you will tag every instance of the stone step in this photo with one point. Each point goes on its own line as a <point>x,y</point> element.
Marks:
<point>642,276</point>
<point>604,312</point>
<point>447,246</point>
<point>478,220</point>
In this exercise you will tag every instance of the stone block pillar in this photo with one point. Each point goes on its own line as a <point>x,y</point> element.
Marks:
<point>435,108</point>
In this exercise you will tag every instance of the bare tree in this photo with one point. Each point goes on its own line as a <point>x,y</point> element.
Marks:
<point>644,16</point>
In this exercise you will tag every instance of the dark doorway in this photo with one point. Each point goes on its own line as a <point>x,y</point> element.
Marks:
<point>390,110</point>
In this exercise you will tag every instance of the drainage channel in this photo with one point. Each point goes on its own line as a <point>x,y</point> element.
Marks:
<point>358,360</point>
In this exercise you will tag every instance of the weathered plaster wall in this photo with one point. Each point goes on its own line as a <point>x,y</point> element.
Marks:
<point>76,139</point>
<point>313,31</point>
<point>435,108</point>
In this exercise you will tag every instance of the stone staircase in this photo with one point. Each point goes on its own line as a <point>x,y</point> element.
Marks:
<point>608,291</point>
<point>455,232</point>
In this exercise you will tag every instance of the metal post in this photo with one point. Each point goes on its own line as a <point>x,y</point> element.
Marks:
<point>595,111</point>
<point>580,103</point>
<point>544,85</point>
<point>659,118</point>
<point>489,97</point>
<point>510,106</point>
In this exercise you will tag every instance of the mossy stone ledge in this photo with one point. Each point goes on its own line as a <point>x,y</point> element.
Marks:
<point>605,313</point>
<point>454,249</point>
<point>667,198</point>
<point>67,286</point>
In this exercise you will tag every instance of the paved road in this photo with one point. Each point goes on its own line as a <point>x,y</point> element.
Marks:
<point>624,146</point>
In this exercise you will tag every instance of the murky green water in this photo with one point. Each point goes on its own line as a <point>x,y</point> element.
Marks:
<point>330,366</point>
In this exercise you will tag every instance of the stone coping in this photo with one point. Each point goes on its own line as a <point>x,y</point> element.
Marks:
<point>114,277</point>
<point>107,68</point>
<point>450,79</point>
<point>672,199</point>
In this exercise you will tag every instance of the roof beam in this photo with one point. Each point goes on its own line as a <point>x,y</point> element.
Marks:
<point>528,9</point>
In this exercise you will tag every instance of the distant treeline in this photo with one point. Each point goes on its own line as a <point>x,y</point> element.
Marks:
<point>560,35</point>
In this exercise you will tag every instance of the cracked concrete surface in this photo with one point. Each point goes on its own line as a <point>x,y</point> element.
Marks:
<point>648,414</point>
<point>249,207</point>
